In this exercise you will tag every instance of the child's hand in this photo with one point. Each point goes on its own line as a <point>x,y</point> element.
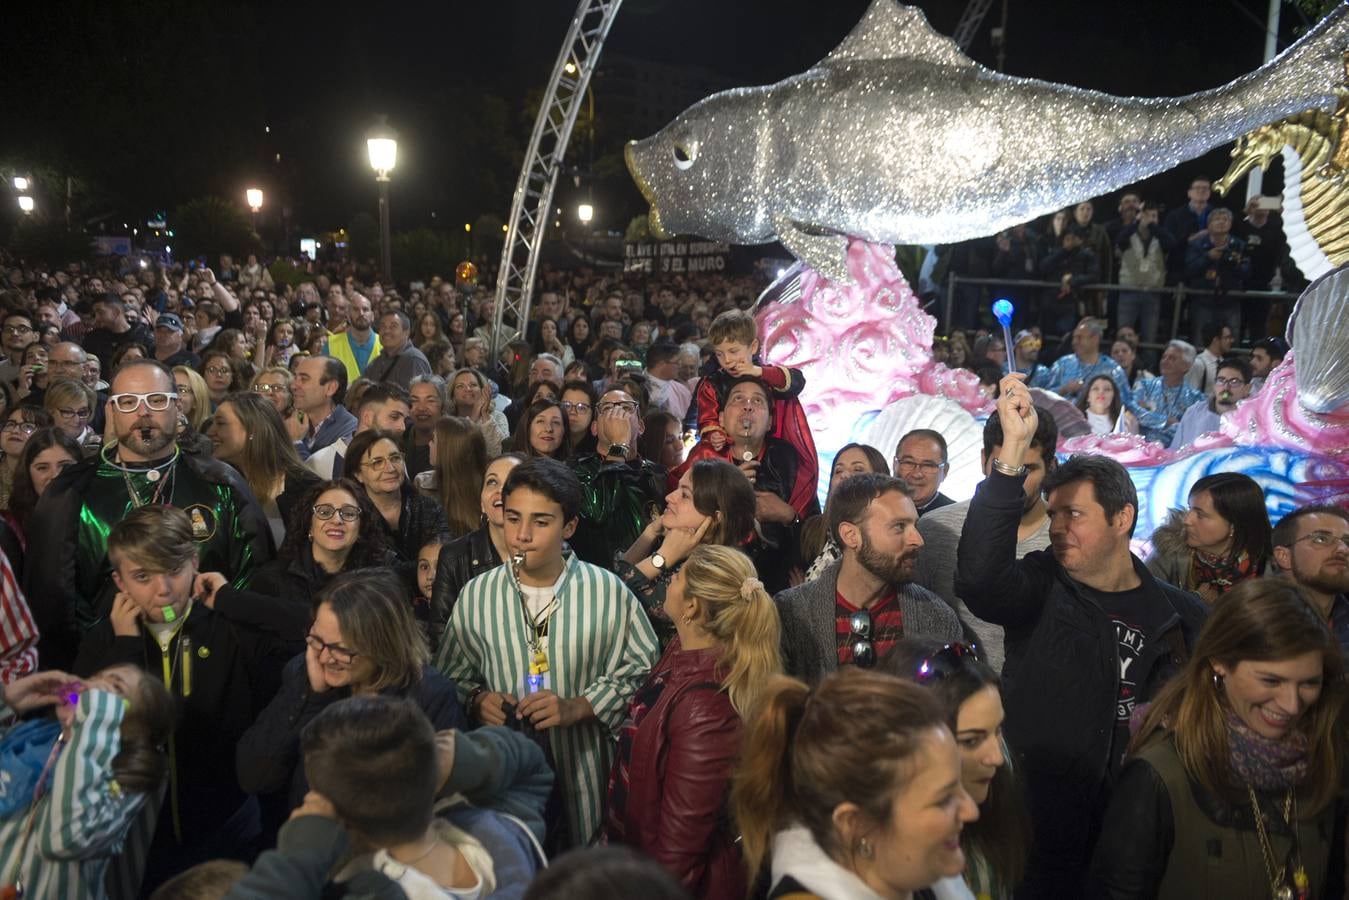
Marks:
<point>756,371</point>
<point>717,439</point>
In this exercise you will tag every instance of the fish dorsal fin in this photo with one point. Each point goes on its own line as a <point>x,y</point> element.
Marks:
<point>891,30</point>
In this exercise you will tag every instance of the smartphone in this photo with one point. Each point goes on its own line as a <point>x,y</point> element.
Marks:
<point>1271,203</point>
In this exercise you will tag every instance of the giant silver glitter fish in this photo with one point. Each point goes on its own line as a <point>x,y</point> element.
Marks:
<point>898,137</point>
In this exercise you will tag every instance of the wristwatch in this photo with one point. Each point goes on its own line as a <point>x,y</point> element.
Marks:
<point>657,562</point>
<point>619,450</point>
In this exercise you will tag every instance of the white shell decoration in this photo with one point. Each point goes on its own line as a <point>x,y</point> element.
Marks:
<point>964,437</point>
<point>1319,331</point>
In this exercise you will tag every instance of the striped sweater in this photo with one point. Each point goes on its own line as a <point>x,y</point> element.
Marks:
<point>600,646</point>
<point>82,822</point>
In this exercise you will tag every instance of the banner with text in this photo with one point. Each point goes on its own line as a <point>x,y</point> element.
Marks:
<point>675,257</point>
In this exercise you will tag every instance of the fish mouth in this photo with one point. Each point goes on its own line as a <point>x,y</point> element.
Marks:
<point>653,218</point>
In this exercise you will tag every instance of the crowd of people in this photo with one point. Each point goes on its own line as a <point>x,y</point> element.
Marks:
<point>301,586</point>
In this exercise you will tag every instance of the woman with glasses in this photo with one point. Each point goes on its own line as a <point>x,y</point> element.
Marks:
<point>579,401</point>
<point>1234,782</point>
<point>411,519</point>
<point>713,504</point>
<point>471,397</point>
<point>852,789</point>
<point>678,745</point>
<point>71,405</point>
<point>543,429</point>
<point>18,427</point>
<point>247,432</point>
<point>44,456</point>
<point>997,843</point>
<point>816,542</point>
<point>194,399</point>
<point>467,557</point>
<point>363,639</point>
<point>222,375</point>
<point>275,384</point>
<point>1223,539</point>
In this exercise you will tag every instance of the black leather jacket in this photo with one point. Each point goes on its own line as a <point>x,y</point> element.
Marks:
<point>461,560</point>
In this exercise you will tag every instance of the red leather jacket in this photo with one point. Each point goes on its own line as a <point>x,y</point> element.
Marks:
<point>683,755</point>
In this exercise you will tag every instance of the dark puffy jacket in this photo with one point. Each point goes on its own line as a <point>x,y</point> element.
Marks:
<point>461,560</point>
<point>421,521</point>
<point>1061,676</point>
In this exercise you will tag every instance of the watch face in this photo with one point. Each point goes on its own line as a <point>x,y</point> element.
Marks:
<point>657,560</point>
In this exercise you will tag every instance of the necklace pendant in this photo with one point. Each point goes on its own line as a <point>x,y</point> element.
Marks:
<point>152,476</point>
<point>538,663</point>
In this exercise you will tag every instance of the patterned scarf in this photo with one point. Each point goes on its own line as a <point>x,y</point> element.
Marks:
<point>1219,573</point>
<point>1266,764</point>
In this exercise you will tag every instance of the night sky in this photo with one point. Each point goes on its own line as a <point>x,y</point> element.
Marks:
<point>154,103</point>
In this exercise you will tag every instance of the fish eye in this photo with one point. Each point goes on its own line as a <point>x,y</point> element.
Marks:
<point>684,155</point>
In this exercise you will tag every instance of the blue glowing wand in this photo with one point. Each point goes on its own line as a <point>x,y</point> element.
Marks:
<point>1002,311</point>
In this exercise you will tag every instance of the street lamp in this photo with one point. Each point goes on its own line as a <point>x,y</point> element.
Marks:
<point>254,197</point>
<point>20,183</point>
<point>26,204</point>
<point>382,144</point>
<point>585,212</point>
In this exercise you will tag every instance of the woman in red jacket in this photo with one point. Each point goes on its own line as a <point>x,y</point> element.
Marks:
<point>677,749</point>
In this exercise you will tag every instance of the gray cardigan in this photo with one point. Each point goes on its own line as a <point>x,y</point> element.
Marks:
<point>809,646</point>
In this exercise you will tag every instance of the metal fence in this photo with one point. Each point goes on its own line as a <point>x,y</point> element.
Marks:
<point>1179,295</point>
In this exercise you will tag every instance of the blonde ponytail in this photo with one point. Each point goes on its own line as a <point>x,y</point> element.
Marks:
<point>740,615</point>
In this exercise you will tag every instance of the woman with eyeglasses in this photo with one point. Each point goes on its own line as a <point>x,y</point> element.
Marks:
<point>1223,539</point>
<point>45,455</point>
<point>275,384</point>
<point>579,402</point>
<point>222,375</point>
<point>412,519</point>
<point>852,789</point>
<point>543,429</point>
<point>678,746</point>
<point>19,425</point>
<point>247,432</point>
<point>1234,784</point>
<point>71,405</point>
<point>194,400</point>
<point>471,397</point>
<point>467,557</point>
<point>997,843</point>
<point>363,639</point>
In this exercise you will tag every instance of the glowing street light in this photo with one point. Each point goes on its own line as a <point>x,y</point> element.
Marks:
<point>585,212</point>
<point>254,196</point>
<point>20,183</point>
<point>26,204</point>
<point>382,145</point>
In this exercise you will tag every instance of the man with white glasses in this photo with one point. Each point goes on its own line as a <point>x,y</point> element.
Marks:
<point>72,589</point>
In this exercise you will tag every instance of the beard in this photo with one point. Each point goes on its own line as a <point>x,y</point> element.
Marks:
<point>1323,580</point>
<point>890,569</point>
<point>146,437</point>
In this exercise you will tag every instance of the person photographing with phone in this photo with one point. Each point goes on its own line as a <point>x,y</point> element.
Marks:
<point>551,643</point>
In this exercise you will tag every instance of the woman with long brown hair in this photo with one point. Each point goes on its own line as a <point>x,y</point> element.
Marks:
<point>853,788</point>
<point>1234,782</point>
<point>678,746</point>
<point>458,463</point>
<point>712,504</point>
<point>1221,540</point>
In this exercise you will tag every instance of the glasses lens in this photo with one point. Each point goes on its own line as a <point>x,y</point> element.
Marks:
<point>126,403</point>
<point>860,623</point>
<point>158,402</point>
<point>324,511</point>
<point>863,654</point>
<point>350,513</point>
<point>945,662</point>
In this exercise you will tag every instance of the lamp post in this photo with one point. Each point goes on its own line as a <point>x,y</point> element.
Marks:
<point>382,144</point>
<point>254,197</point>
<point>585,212</point>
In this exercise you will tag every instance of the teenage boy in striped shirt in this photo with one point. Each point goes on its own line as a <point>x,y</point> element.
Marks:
<point>551,643</point>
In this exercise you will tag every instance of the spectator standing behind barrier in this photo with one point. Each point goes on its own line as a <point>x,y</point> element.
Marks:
<point>1187,224</point>
<point>1220,541</point>
<point>1233,786</point>
<point>1216,262</point>
<point>852,789</point>
<point>1089,634</point>
<point>1072,265</point>
<point>1262,230</point>
<point>1143,249</point>
<point>679,743</point>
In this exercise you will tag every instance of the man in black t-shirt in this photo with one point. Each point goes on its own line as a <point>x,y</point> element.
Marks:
<point>1089,633</point>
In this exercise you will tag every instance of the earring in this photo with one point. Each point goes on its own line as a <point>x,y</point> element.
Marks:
<point>864,849</point>
<point>1217,682</point>
<point>687,620</point>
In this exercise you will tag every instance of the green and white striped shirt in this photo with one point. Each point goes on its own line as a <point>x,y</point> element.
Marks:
<point>600,646</point>
<point>83,820</point>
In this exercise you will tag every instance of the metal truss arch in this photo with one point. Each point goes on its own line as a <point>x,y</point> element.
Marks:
<point>533,199</point>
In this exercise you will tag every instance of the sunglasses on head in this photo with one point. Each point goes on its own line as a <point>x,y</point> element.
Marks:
<point>945,662</point>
